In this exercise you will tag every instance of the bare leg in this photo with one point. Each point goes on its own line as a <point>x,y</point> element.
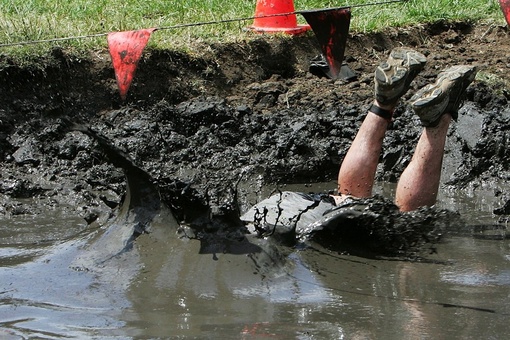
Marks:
<point>436,105</point>
<point>392,80</point>
<point>419,183</point>
<point>356,175</point>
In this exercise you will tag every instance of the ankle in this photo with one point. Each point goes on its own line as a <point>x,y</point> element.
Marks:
<point>443,121</point>
<point>383,111</point>
<point>387,107</point>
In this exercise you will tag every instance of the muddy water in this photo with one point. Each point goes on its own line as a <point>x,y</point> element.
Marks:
<point>167,289</point>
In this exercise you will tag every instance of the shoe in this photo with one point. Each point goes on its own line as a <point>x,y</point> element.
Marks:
<point>444,96</point>
<point>393,77</point>
<point>319,67</point>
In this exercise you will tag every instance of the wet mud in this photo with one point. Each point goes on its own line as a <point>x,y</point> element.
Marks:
<point>163,182</point>
<point>212,129</point>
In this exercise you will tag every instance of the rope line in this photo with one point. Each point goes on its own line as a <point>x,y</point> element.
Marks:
<point>54,40</point>
<point>203,23</point>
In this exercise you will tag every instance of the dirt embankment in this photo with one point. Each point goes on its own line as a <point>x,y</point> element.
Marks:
<point>217,124</point>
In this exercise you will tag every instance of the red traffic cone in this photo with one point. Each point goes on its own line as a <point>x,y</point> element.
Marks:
<point>273,16</point>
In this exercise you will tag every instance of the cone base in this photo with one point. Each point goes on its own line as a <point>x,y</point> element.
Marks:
<point>289,30</point>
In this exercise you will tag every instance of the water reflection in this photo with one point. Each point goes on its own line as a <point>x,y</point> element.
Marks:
<point>167,289</point>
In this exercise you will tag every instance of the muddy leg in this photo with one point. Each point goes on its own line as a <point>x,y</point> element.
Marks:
<point>392,80</point>
<point>436,105</point>
<point>356,175</point>
<point>419,183</point>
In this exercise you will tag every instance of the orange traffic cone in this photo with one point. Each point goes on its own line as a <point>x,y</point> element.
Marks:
<point>273,16</point>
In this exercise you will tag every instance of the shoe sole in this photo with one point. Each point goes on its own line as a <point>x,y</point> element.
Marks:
<point>398,71</point>
<point>464,75</point>
<point>398,60</point>
<point>444,96</point>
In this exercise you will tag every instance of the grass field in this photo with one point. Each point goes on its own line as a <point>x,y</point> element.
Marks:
<point>33,20</point>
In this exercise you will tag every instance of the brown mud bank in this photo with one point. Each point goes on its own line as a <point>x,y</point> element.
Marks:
<point>215,126</point>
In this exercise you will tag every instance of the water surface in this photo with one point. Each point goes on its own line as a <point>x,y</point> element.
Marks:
<point>165,288</point>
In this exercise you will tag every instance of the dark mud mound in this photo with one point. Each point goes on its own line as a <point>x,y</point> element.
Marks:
<point>374,228</point>
<point>213,128</point>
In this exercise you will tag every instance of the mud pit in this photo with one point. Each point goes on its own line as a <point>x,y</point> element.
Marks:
<point>219,128</point>
<point>215,126</point>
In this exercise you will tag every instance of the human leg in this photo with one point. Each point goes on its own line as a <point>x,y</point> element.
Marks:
<point>356,175</point>
<point>392,80</point>
<point>435,104</point>
<point>419,183</point>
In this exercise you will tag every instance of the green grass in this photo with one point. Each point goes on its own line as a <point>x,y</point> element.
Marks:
<point>32,20</point>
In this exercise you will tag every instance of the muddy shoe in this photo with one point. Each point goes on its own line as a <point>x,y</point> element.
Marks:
<point>444,96</point>
<point>393,77</point>
<point>319,66</point>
